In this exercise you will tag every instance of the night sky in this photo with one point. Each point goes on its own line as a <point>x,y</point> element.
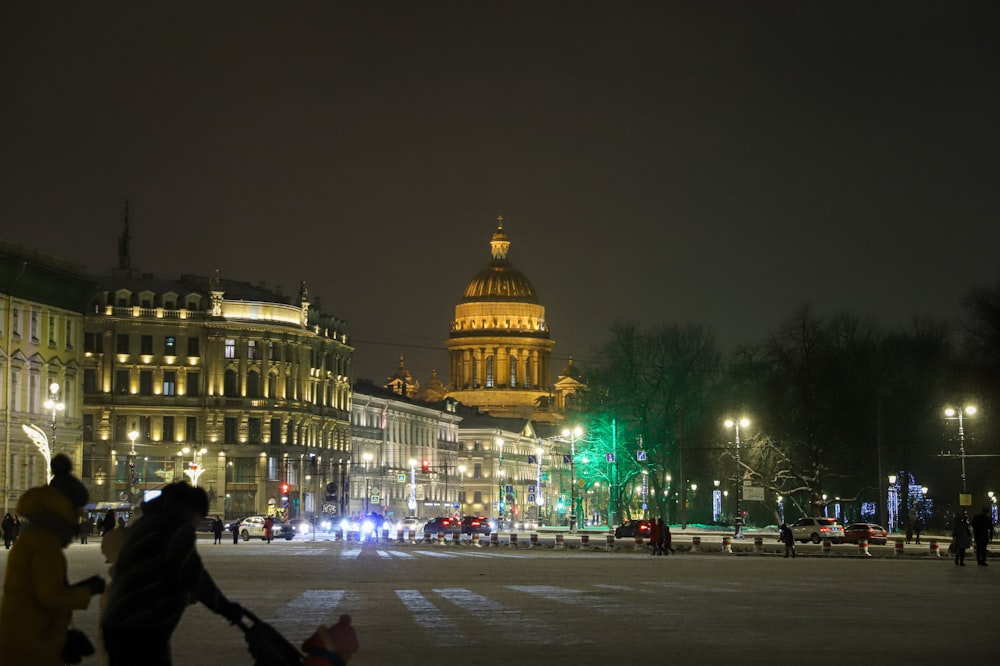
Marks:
<point>655,162</point>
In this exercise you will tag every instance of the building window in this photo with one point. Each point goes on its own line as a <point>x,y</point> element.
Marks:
<point>170,383</point>
<point>168,428</point>
<point>272,351</point>
<point>513,372</point>
<point>52,328</point>
<point>69,334</point>
<point>34,325</point>
<point>122,382</point>
<point>93,343</point>
<point>490,372</point>
<point>255,430</point>
<point>252,350</point>
<point>272,385</point>
<point>191,429</point>
<point>230,348</point>
<point>253,384</point>
<point>88,427</point>
<point>15,316</point>
<point>121,346</point>
<point>230,387</point>
<point>275,431</point>
<point>146,345</point>
<point>193,348</point>
<point>477,470</point>
<point>170,346</point>
<point>193,384</point>
<point>145,382</point>
<point>477,497</point>
<point>231,431</point>
<point>89,380</point>
<point>145,428</point>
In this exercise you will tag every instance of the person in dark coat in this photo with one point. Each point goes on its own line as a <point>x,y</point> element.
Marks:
<point>918,527</point>
<point>655,538</point>
<point>217,528</point>
<point>84,530</point>
<point>8,530</point>
<point>982,532</point>
<point>108,522</point>
<point>666,539</point>
<point>960,538</point>
<point>235,525</point>
<point>786,537</point>
<point>157,575</point>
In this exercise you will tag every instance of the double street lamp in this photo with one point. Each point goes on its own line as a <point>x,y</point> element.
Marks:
<point>953,413</point>
<point>572,433</point>
<point>738,520</point>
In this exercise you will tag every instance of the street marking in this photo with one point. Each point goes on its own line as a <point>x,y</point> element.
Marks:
<point>573,597</point>
<point>351,554</point>
<point>608,586</point>
<point>310,609</point>
<point>431,553</point>
<point>389,554</point>
<point>440,629</point>
<point>515,626</point>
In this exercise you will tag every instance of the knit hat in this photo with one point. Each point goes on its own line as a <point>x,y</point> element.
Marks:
<point>342,634</point>
<point>64,481</point>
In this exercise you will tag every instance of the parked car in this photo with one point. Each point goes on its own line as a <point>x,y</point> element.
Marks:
<point>633,528</point>
<point>442,524</point>
<point>817,529</point>
<point>410,523</point>
<point>875,534</point>
<point>253,528</point>
<point>476,525</point>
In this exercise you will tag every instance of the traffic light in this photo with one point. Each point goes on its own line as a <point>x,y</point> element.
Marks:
<point>425,466</point>
<point>284,489</point>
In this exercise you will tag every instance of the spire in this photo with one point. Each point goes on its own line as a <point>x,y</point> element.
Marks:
<point>124,245</point>
<point>499,245</point>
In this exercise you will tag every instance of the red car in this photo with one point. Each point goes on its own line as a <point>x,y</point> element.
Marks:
<point>633,528</point>
<point>875,534</point>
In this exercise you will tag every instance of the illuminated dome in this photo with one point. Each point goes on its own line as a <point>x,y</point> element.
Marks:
<point>499,281</point>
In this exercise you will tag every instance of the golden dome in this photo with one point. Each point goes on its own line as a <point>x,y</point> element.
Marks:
<point>500,281</point>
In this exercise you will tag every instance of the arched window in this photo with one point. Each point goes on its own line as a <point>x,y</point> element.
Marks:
<point>527,372</point>
<point>490,372</point>
<point>513,372</point>
<point>231,388</point>
<point>272,385</point>
<point>253,384</point>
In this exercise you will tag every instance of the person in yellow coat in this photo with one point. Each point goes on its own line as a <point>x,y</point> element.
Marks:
<point>38,603</point>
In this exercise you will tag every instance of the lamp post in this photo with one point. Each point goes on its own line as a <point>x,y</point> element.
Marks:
<point>56,406</point>
<point>539,496</point>
<point>993,505</point>
<point>367,457</point>
<point>500,507</point>
<point>716,501</point>
<point>953,413</point>
<point>892,503</point>
<point>461,472</point>
<point>572,433</point>
<point>412,503</point>
<point>738,520</point>
<point>132,478</point>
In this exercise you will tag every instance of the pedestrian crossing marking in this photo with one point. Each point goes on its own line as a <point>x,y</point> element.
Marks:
<point>429,617</point>
<point>609,586</point>
<point>350,554</point>
<point>310,609</point>
<point>514,625</point>
<point>573,597</point>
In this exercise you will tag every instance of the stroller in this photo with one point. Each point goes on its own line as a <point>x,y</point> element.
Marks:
<point>267,646</point>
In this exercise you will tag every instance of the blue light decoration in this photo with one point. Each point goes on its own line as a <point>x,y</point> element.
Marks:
<point>716,505</point>
<point>919,506</point>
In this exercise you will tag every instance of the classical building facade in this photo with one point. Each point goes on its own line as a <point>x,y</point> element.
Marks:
<point>42,300</point>
<point>219,382</point>
<point>499,347</point>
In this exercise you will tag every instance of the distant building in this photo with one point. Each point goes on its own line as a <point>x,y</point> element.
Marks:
<point>42,300</point>
<point>218,381</point>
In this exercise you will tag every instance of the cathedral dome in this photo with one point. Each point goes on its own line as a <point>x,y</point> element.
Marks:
<point>500,281</point>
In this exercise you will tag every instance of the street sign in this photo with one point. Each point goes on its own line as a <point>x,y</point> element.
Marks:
<point>531,488</point>
<point>610,457</point>
<point>374,499</point>
<point>640,455</point>
<point>531,497</point>
<point>401,478</point>
<point>753,493</point>
<point>509,490</point>
<point>532,460</point>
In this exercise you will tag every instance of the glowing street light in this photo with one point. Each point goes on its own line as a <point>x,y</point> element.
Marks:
<point>953,413</point>
<point>411,504</point>
<point>461,471</point>
<point>367,457</point>
<point>194,470</point>
<point>572,434</point>
<point>738,521</point>
<point>54,404</point>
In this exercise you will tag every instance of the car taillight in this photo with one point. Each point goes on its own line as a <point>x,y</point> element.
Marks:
<point>824,529</point>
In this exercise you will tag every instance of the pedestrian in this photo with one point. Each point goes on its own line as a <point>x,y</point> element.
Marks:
<point>84,529</point>
<point>8,530</point>
<point>982,532</point>
<point>666,540</point>
<point>268,527</point>
<point>108,522</point>
<point>655,538</point>
<point>235,526</point>
<point>909,531</point>
<point>121,522</point>
<point>217,527</point>
<point>157,575</point>
<point>918,527</point>
<point>333,645</point>
<point>786,537</point>
<point>960,538</point>
<point>38,602</point>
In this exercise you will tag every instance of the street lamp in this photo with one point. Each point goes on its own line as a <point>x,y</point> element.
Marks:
<point>892,503</point>
<point>56,406</point>
<point>132,478</point>
<point>194,470</point>
<point>539,496</point>
<point>500,512</point>
<point>953,413</point>
<point>738,521</point>
<point>572,434</point>
<point>412,503</point>
<point>367,458</point>
<point>461,471</point>
<point>716,501</point>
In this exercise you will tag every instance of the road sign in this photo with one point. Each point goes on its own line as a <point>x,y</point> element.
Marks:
<point>401,478</point>
<point>610,457</point>
<point>531,488</point>
<point>374,499</point>
<point>640,455</point>
<point>753,493</point>
<point>531,497</point>
<point>509,490</point>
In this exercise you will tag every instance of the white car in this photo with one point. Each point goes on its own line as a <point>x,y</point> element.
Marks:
<point>253,528</point>
<point>411,523</point>
<point>817,529</point>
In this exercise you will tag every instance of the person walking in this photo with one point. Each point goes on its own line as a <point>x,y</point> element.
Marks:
<point>982,532</point>
<point>157,575</point>
<point>960,538</point>
<point>909,531</point>
<point>38,602</point>
<point>918,527</point>
<point>654,538</point>
<point>8,530</point>
<point>84,528</point>
<point>235,526</point>
<point>268,527</point>
<point>108,522</point>
<point>666,539</point>
<point>217,527</point>
<point>786,537</point>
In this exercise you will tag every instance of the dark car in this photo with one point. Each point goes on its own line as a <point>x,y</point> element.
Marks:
<point>442,524</point>
<point>633,528</point>
<point>875,534</point>
<point>206,525</point>
<point>476,525</point>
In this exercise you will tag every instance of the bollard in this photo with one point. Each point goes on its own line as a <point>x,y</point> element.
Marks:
<point>385,535</point>
<point>494,539</point>
<point>610,542</point>
<point>897,548</point>
<point>560,543</point>
<point>584,541</point>
<point>399,536</point>
<point>935,551</point>
<point>758,544</point>
<point>512,541</point>
<point>863,547</point>
<point>727,544</point>
<point>427,537</point>
<point>338,535</point>
<point>475,539</point>
<point>696,544</point>
<point>413,536</point>
<point>533,538</point>
<point>827,549</point>
<point>440,540</point>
